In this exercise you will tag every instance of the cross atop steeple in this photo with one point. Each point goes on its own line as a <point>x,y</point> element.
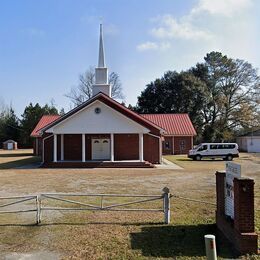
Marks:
<point>101,56</point>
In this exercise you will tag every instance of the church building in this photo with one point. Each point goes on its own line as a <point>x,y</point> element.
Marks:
<point>103,133</point>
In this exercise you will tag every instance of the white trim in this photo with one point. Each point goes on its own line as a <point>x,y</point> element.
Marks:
<point>62,147</point>
<point>83,147</point>
<point>154,135</point>
<point>112,147</point>
<point>141,147</point>
<point>55,148</point>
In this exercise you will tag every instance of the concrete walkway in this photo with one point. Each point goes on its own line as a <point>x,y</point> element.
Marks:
<point>168,165</point>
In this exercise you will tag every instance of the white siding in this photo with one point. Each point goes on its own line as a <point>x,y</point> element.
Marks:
<point>253,144</point>
<point>107,121</point>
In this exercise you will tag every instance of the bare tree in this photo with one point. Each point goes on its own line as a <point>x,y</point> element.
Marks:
<point>83,91</point>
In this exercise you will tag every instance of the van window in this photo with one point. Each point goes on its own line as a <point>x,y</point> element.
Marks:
<point>221,146</point>
<point>203,148</point>
<point>213,146</point>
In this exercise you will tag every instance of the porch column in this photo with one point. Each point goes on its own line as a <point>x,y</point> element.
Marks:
<point>112,147</point>
<point>141,147</point>
<point>55,148</point>
<point>62,147</point>
<point>83,148</point>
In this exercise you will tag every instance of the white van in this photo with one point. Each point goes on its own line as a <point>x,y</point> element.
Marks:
<point>226,151</point>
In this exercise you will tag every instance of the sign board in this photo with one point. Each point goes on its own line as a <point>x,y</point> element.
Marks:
<point>233,170</point>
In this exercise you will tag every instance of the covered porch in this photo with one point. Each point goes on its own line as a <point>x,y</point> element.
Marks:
<point>96,150</point>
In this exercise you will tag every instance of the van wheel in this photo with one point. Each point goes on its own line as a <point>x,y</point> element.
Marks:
<point>198,158</point>
<point>229,157</point>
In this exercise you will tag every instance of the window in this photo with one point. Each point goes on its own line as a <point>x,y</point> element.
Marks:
<point>213,146</point>
<point>167,145</point>
<point>105,142</point>
<point>203,148</point>
<point>96,142</point>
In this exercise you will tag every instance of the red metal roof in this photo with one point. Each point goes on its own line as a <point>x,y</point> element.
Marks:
<point>174,124</point>
<point>44,121</point>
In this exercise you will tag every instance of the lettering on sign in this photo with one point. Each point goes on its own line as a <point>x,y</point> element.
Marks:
<point>233,170</point>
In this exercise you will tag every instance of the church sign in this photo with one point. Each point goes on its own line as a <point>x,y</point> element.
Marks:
<point>233,170</point>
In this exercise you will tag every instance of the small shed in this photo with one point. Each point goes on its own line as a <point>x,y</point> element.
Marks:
<point>249,142</point>
<point>10,145</point>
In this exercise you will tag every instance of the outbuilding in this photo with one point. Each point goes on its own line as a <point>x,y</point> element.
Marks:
<point>10,145</point>
<point>249,142</point>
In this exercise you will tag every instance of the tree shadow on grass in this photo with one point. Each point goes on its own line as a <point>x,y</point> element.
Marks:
<point>19,163</point>
<point>182,240</point>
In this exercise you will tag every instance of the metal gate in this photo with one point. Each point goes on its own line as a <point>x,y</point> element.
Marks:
<point>39,206</point>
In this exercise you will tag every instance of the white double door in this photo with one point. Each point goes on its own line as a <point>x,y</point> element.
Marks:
<point>101,149</point>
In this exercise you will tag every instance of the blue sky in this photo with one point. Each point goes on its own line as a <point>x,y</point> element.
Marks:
<point>45,45</point>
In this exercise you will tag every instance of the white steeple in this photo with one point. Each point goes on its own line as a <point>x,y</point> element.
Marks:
<point>101,72</point>
<point>101,55</point>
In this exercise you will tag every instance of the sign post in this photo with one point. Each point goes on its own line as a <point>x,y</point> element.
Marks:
<point>233,170</point>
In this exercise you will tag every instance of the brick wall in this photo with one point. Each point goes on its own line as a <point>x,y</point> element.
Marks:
<point>167,149</point>
<point>48,149</point>
<point>182,144</point>
<point>126,146</point>
<point>72,147</point>
<point>151,149</point>
<point>241,230</point>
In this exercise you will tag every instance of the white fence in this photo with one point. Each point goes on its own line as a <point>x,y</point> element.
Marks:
<point>39,200</point>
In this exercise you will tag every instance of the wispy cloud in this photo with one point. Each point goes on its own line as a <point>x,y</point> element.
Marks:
<point>153,46</point>
<point>208,25</point>
<point>170,28</point>
<point>221,7</point>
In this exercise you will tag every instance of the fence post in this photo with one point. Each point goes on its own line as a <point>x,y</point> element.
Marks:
<point>38,207</point>
<point>166,205</point>
<point>210,245</point>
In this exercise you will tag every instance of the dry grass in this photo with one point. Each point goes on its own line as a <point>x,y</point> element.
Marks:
<point>115,235</point>
<point>16,158</point>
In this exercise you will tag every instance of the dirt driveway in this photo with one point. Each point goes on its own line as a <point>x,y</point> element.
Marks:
<point>107,235</point>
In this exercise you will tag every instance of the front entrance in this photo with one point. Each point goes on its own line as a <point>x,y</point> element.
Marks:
<point>101,149</point>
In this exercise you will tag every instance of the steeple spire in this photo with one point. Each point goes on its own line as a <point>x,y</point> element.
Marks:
<point>101,56</point>
<point>101,72</point>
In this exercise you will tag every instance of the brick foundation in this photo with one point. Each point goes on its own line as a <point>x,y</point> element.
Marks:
<point>240,231</point>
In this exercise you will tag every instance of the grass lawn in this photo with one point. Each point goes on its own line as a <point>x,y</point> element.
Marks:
<point>17,158</point>
<point>116,235</point>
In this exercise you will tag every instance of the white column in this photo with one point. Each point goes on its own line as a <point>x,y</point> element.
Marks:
<point>141,147</point>
<point>55,148</point>
<point>83,148</point>
<point>112,147</point>
<point>62,147</point>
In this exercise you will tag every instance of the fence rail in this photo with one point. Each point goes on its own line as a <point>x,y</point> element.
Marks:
<point>100,206</point>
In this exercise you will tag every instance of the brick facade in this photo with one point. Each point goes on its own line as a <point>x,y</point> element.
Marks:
<point>182,144</point>
<point>177,144</point>
<point>126,147</point>
<point>241,230</point>
<point>151,149</point>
